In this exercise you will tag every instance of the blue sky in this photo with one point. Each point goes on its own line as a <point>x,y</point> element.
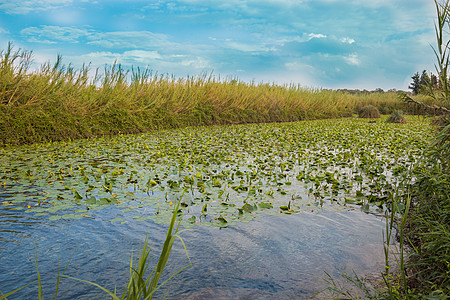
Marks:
<point>363,44</point>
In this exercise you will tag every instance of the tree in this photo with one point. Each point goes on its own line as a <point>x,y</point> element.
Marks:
<point>434,81</point>
<point>415,85</point>
<point>424,80</point>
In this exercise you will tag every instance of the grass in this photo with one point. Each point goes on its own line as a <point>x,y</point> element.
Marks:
<point>369,111</point>
<point>396,117</point>
<point>428,231</point>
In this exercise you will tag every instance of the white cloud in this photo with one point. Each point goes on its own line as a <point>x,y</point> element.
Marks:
<point>297,66</point>
<point>347,40</point>
<point>352,59</point>
<point>155,60</point>
<point>248,47</point>
<point>142,56</point>
<point>315,36</point>
<point>23,7</point>
<point>3,31</point>
<point>132,57</point>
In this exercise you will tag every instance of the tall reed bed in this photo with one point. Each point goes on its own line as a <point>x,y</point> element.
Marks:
<point>58,101</point>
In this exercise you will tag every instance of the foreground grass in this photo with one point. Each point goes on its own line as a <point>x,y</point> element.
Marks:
<point>59,103</point>
<point>428,230</point>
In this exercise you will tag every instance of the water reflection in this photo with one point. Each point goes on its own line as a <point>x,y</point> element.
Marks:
<point>279,257</point>
<point>269,257</point>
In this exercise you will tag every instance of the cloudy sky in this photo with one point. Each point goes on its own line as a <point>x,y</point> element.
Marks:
<point>363,44</point>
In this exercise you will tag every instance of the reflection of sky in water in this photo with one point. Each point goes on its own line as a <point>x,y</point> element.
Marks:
<point>269,257</point>
<point>280,257</point>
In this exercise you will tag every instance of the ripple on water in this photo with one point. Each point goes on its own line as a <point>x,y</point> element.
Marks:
<point>269,257</point>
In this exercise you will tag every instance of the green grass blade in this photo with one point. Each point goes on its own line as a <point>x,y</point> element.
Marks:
<point>113,295</point>
<point>16,290</point>
<point>39,278</point>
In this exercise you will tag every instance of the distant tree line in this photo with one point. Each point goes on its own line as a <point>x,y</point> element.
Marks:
<point>358,92</point>
<point>422,82</point>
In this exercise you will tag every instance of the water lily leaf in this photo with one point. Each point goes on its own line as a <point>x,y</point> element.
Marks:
<point>91,200</point>
<point>222,219</point>
<point>248,207</point>
<point>72,216</point>
<point>41,214</point>
<point>265,205</point>
<point>350,201</point>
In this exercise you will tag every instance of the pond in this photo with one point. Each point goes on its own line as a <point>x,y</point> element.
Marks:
<point>271,206</point>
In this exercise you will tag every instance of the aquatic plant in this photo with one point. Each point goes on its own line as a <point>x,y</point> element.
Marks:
<point>227,174</point>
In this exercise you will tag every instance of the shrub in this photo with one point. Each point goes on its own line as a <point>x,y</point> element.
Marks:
<point>396,117</point>
<point>369,111</point>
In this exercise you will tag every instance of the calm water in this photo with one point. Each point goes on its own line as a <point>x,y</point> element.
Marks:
<point>271,257</point>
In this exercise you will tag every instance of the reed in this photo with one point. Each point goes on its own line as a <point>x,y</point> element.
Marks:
<point>57,102</point>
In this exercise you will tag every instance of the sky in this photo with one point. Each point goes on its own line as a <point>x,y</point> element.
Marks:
<point>354,44</point>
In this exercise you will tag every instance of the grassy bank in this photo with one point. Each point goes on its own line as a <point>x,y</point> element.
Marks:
<point>57,102</point>
<point>428,231</point>
<point>428,225</point>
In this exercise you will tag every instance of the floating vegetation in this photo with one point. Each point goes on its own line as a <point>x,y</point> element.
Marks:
<point>228,174</point>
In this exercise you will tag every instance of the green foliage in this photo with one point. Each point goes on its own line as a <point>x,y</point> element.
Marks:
<point>415,86</point>
<point>396,117</point>
<point>369,111</point>
<point>428,230</point>
<point>423,83</point>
